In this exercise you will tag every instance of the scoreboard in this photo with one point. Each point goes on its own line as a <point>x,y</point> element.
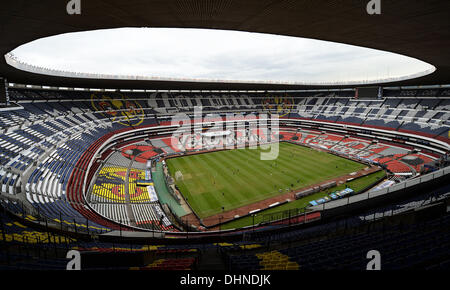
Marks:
<point>369,93</point>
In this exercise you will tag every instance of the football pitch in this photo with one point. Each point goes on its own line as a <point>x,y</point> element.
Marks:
<point>235,178</point>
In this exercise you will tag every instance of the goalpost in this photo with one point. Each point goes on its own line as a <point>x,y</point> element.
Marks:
<point>178,175</point>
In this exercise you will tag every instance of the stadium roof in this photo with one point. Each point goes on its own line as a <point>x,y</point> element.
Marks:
<point>418,29</point>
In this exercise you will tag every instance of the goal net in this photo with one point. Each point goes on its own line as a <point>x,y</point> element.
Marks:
<point>178,175</point>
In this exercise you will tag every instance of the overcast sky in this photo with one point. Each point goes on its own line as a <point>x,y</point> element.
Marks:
<point>213,54</point>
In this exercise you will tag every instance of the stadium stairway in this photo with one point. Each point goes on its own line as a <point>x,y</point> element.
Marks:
<point>211,260</point>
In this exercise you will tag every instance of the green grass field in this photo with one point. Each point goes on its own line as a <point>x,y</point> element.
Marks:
<point>235,178</point>
<point>297,206</point>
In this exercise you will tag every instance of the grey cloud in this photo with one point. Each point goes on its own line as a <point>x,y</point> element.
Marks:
<point>193,53</point>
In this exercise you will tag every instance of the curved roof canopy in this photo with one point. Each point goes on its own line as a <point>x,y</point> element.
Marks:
<point>419,29</point>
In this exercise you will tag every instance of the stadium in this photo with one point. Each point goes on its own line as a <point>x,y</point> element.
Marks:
<point>105,172</point>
